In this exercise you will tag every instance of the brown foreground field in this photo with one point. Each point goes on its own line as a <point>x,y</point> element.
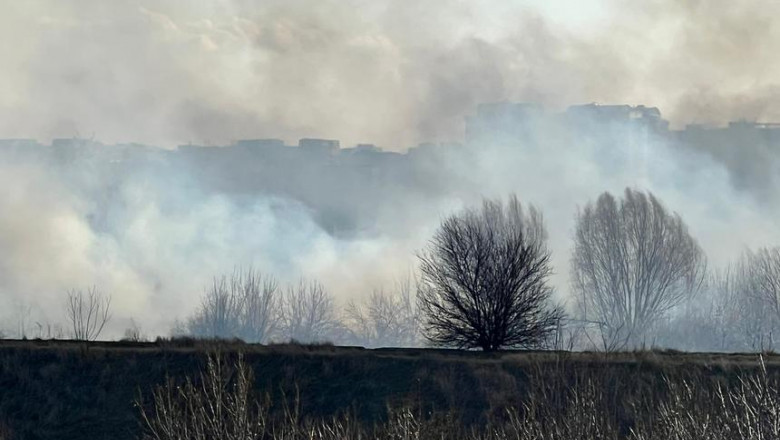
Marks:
<point>76,390</point>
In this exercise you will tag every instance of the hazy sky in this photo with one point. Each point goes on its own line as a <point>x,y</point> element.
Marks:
<point>389,72</point>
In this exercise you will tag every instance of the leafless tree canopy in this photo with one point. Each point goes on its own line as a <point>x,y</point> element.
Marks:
<point>738,318</point>
<point>732,313</point>
<point>753,307</point>
<point>764,276</point>
<point>633,261</point>
<point>87,312</point>
<point>219,315</point>
<point>484,281</point>
<point>307,313</point>
<point>243,305</point>
<point>385,319</point>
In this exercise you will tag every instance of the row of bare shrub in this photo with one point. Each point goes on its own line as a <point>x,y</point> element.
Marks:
<point>253,307</point>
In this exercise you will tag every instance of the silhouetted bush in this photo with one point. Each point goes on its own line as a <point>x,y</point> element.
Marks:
<point>485,280</point>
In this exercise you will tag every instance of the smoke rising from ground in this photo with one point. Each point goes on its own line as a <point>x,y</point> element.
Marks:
<point>392,73</point>
<point>153,239</point>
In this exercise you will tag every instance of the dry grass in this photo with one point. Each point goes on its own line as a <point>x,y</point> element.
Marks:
<point>220,404</point>
<point>55,389</point>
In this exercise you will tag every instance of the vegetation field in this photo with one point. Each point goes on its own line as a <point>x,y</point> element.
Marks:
<point>77,390</point>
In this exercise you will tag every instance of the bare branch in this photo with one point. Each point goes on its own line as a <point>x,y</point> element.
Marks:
<point>485,279</point>
<point>307,313</point>
<point>385,319</point>
<point>243,305</point>
<point>87,312</point>
<point>633,261</point>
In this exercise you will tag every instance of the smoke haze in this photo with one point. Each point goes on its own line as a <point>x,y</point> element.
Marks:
<point>389,72</point>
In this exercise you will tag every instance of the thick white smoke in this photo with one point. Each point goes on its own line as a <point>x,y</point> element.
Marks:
<point>388,72</point>
<point>154,243</point>
<point>394,73</point>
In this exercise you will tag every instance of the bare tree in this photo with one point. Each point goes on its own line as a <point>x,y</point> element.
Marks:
<point>87,312</point>
<point>48,331</point>
<point>753,303</point>
<point>242,305</point>
<point>749,324</point>
<point>219,314</point>
<point>259,317</point>
<point>23,320</point>
<point>22,313</point>
<point>729,314</point>
<point>633,261</point>
<point>484,279</point>
<point>738,317</point>
<point>307,313</point>
<point>133,333</point>
<point>385,319</point>
<point>764,269</point>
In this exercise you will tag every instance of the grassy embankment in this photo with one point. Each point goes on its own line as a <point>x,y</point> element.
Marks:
<point>72,390</point>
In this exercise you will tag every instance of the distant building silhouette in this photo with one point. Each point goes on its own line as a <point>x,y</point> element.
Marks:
<point>320,146</point>
<point>321,174</point>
